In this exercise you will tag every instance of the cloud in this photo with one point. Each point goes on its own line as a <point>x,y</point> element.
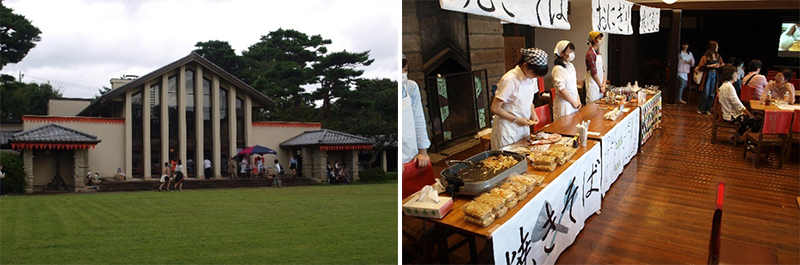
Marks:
<point>90,41</point>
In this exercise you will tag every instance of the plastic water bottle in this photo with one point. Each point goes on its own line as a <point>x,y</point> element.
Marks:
<point>786,97</point>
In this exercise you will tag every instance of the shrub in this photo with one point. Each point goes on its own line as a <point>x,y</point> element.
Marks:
<point>15,174</point>
<point>392,175</point>
<point>374,174</point>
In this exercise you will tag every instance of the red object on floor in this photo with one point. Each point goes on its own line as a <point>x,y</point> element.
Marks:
<point>415,178</point>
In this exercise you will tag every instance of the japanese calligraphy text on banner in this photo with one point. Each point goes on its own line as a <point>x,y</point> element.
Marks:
<point>612,16</point>
<point>650,18</point>
<point>549,223</point>
<point>536,13</point>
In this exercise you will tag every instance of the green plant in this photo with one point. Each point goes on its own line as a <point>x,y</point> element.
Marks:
<point>374,174</point>
<point>15,173</point>
<point>392,175</point>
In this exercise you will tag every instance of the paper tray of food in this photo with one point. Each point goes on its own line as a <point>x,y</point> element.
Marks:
<point>477,178</point>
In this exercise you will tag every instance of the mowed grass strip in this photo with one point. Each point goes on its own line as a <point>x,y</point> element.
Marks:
<point>297,225</point>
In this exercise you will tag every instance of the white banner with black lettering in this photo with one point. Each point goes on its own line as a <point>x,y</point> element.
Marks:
<point>612,16</point>
<point>620,144</point>
<point>551,221</point>
<point>536,13</point>
<point>649,21</point>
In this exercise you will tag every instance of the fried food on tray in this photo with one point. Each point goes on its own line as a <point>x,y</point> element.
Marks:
<point>477,210</point>
<point>499,162</point>
<point>496,202</point>
<point>541,159</point>
<point>481,222</point>
<point>549,168</point>
<point>529,183</point>
<point>516,187</point>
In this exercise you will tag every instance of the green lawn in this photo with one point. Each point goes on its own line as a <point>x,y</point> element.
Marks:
<point>297,225</point>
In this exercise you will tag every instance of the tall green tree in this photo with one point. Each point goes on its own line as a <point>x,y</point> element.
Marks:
<point>370,110</point>
<point>17,99</point>
<point>279,65</point>
<point>17,36</point>
<point>337,73</point>
<point>223,55</point>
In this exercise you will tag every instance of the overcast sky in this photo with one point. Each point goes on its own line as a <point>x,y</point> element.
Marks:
<point>87,42</point>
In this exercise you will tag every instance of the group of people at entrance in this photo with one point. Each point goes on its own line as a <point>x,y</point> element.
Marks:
<point>172,171</point>
<point>337,174</point>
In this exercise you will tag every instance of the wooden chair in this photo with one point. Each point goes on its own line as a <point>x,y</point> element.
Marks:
<point>720,123</point>
<point>774,132</point>
<point>545,117</point>
<point>794,134</point>
<point>747,95</point>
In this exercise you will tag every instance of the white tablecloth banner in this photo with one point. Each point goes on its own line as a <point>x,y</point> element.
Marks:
<point>650,19</point>
<point>619,146</point>
<point>612,16</point>
<point>551,221</point>
<point>537,13</point>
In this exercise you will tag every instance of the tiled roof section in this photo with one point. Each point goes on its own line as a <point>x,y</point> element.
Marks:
<point>326,137</point>
<point>53,133</point>
<point>5,135</point>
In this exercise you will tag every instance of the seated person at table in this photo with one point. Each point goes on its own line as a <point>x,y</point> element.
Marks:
<point>780,86</point>
<point>754,79</point>
<point>732,108</point>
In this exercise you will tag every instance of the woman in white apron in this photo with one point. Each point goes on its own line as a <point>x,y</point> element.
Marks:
<point>513,101</point>
<point>565,80</point>
<point>415,134</point>
<point>595,73</point>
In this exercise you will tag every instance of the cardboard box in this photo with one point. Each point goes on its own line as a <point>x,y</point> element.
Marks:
<point>428,210</point>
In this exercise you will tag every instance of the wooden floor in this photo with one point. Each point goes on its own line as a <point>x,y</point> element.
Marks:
<point>660,209</point>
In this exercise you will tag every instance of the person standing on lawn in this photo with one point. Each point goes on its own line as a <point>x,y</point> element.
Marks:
<point>165,173</point>
<point>179,176</point>
<point>207,167</point>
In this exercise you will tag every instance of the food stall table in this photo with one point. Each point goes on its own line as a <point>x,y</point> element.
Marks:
<point>570,196</point>
<point>619,138</point>
<point>650,116</point>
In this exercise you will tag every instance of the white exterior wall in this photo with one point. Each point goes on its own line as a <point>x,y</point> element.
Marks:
<point>107,156</point>
<point>273,136</point>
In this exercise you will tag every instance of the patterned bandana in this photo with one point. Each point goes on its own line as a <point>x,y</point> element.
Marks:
<point>534,56</point>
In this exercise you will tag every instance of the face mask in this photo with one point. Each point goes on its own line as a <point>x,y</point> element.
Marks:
<point>405,77</point>
<point>571,56</point>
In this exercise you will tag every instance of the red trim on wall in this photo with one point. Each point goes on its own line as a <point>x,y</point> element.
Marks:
<point>52,146</point>
<point>288,124</point>
<point>73,119</point>
<point>345,147</point>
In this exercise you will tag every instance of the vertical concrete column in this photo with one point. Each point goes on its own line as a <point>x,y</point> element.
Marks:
<point>182,115</point>
<point>308,162</point>
<point>320,164</point>
<point>27,164</point>
<point>232,121</point>
<point>198,107</point>
<point>80,169</point>
<point>248,120</point>
<point>146,128</point>
<point>215,116</point>
<point>353,165</point>
<point>384,163</point>
<point>128,136</point>
<point>164,121</point>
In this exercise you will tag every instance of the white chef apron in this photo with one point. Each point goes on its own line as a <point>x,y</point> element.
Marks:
<point>592,89</point>
<point>410,148</point>
<point>506,132</point>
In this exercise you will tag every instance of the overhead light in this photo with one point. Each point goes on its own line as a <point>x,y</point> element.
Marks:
<point>669,2</point>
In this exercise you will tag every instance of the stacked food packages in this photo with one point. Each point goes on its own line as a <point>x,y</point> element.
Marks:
<point>555,155</point>
<point>495,203</point>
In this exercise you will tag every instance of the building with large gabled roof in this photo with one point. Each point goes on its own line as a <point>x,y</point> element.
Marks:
<point>187,110</point>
